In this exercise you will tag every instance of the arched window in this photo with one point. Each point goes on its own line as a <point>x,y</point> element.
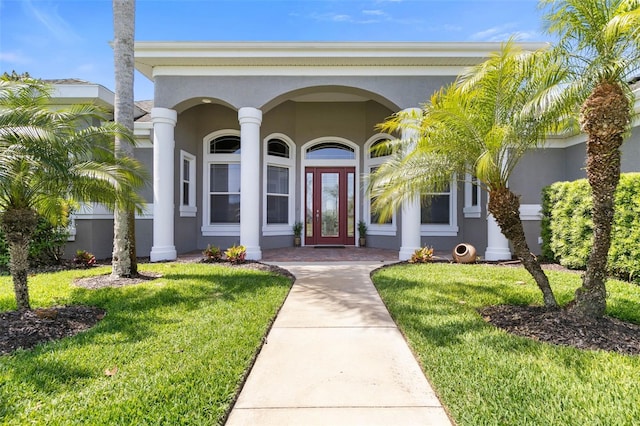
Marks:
<point>221,174</point>
<point>330,151</point>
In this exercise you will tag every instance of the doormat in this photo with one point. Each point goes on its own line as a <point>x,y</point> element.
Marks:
<point>329,247</point>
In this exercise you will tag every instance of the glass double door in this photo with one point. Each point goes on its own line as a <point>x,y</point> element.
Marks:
<point>330,206</point>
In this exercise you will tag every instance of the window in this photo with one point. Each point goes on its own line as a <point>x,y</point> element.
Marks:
<point>472,197</point>
<point>330,151</point>
<point>224,193</point>
<point>438,213</point>
<point>376,156</point>
<point>188,185</point>
<point>278,205</point>
<point>221,194</point>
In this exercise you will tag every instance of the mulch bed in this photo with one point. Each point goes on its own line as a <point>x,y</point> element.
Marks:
<point>26,329</point>
<point>563,328</point>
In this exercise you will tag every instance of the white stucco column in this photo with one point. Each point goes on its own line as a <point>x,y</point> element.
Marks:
<point>410,208</point>
<point>497,243</point>
<point>250,120</point>
<point>164,122</point>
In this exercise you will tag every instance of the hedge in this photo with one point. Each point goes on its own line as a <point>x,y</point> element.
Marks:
<point>567,227</point>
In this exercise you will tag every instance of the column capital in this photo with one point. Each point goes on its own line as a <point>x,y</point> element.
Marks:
<point>249,115</point>
<point>164,115</point>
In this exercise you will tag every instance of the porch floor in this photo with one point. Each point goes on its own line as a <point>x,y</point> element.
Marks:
<point>329,254</point>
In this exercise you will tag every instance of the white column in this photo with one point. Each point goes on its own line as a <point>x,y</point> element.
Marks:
<point>497,243</point>
<point>411,222</point>
<point>410,228</point>
<point>250,120</point>
<point>164,122</point>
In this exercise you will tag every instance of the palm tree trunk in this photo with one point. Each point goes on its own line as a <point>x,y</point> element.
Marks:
<point>504,205</point>
<point>605,116</point>
<point>124,251</point>
<point>18,225</point>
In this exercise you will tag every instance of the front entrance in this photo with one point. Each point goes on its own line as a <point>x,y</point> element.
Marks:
<point>330,206</point>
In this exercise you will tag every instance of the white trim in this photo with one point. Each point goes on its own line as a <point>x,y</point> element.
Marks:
<point>530,212</point>
<point>306,70</point>
<point>452,229</point>
<point>304,163</point>
<point>190,209</point>
<point>469,210</point>
<point>175,58</point>
<point>216,229</point>
<point>386,229</point>
<point>71,228</point>
<point>289,163</point>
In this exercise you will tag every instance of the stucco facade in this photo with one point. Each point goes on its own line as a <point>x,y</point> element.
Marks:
<point>245,139</point>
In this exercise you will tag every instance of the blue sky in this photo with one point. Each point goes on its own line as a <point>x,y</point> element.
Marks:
<point>70,38</point>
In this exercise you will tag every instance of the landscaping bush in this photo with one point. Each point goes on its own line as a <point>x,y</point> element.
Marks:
<point>567,228</point>
<point>46,248</point>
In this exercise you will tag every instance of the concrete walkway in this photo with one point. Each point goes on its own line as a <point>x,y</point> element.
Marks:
<point>335,357</point>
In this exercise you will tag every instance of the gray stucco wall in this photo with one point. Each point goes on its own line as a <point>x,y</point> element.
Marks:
<point>538,168</point>
<point>266,92</point>
<point>96,236</point>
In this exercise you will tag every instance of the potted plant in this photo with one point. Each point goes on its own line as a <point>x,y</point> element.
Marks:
<point>362,231</point>
<point>297,234</point>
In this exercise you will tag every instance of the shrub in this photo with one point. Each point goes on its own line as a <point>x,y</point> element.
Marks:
<point>212,253</point>
<point>236,254</point>
<point>422,255</point>
<point>46,246</point>
<point>567,226</point>
<point>84,258</point>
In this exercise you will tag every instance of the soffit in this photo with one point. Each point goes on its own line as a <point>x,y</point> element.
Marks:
<point>273,56</point>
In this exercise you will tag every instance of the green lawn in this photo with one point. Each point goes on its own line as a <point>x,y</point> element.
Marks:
<point>181,345</point>
<point>485,376</point>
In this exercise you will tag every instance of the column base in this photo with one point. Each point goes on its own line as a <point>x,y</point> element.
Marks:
<point>158,254</point>
<point>497,253</point>
<point>406,252</point>
<point>254,253</point>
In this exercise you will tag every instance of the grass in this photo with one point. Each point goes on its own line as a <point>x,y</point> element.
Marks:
<point>485,376</point>
<point>181,345</point>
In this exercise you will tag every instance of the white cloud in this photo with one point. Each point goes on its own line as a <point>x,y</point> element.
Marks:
<point>15,58</point>
<point>341,18</point>
<point>52,21</point>
<point>376,12</point>
<point>498,33</point>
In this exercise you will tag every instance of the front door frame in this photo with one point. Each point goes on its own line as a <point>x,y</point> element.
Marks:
<point>304,163</point>
<point>316,201</point>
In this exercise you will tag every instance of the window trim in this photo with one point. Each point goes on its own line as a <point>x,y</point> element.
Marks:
<point>277,161</point>
<point>471,211</point>
<point>452,229</point>
<point>216,229</point>
<point>190,209</point>
<point>386,229</point>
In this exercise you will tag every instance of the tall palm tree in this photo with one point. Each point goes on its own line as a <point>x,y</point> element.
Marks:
<point>48,158</point>
<point>599,41</point>
<point>124,262</point>
<point>482,125</point>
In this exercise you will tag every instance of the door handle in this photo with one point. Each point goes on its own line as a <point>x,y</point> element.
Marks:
<point>317,214</point>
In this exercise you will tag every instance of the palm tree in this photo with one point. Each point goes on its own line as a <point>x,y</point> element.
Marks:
<point>48,158</point>
<point>124,262</point>
<point>482,125</point>
<point>599,41</point>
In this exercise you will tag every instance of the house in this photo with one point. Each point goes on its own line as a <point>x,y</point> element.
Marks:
<point>245,139</point>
